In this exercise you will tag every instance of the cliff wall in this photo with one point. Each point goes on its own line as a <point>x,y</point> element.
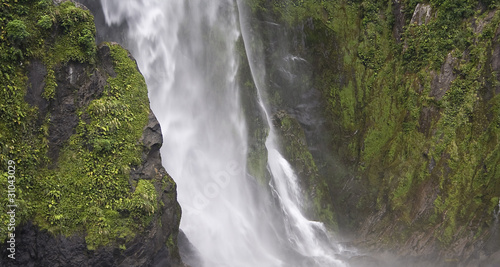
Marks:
<point>88,185</point>
<point>406,144</point>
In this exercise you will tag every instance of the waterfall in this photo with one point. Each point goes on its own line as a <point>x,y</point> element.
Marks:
<point>307,236</point>
<point>186,52</point>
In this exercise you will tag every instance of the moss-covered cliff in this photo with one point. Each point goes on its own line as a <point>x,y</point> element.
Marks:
<point>410,90</point>
<point>75,123</point>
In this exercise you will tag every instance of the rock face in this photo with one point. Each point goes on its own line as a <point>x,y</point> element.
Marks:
<point>38,247</point>
<point>411,133</point>
<point>441,83</point>
<point>399,20</point>
<point>75,90</point>
<point>136,225</point>
<point>422,14</point>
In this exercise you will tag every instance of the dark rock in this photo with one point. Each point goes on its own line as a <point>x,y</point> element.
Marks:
<point>428,116</point>
<point>399,20</point>
<point>106,62</point>
<point>495,61</point>
<point>75,89</point>
<point>408,233</point>
<point>38,248</point>
<point>77,85</point>
<point>441,83</point>
<point>422,14</point>
<point>152,140</point>
<point>36,83</point>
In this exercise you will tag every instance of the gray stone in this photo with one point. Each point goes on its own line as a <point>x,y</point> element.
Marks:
<point>441,82</point>
<point>422,14</point>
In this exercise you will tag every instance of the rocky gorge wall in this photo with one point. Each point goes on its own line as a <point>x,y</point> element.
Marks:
<point>90,189</point>
<point>404,153</point>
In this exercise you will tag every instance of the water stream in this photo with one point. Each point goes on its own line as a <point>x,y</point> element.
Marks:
<point>187,52</point>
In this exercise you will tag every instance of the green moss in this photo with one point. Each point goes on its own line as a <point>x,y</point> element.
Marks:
<point>77,42</point>
<point>86,190</point>
<point>170,243</point>
<point>380,89</point>
<point>143,202</point>
<point>93,168</point>
<point>20,138</point>
<point>50,85</point>
<point>257,165</point>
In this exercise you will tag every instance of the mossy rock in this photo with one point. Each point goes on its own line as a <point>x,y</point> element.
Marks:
<point>74,120</point>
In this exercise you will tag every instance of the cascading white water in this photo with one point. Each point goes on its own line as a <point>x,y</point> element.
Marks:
<point>304,234</point>
<point>186,51</point>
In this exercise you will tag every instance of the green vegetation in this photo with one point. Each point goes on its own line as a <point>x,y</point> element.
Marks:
<point>295,149</point>
<point>93,168</point>
<point>382,89</point>
<point>16,30</point>
<point>87,189</point>
<point>45,22</point>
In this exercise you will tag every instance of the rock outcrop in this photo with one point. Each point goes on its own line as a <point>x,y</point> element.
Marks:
<point>123,210</point>
<point>422,14</point>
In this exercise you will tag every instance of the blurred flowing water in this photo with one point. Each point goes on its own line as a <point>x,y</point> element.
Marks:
<point>186,50</point>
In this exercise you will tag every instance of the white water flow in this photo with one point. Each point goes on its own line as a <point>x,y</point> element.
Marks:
<point>306,235</point>
<point>186,51</point>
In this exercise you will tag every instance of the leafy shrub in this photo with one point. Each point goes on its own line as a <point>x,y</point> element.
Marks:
<point>45,22</point>
<point>143,201</point>
<point>69,15</point>
<point>87,41</point>
<point>50,85</point>
<point>16,30</point>
<point>78,33</point>
<point>42,4</point>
